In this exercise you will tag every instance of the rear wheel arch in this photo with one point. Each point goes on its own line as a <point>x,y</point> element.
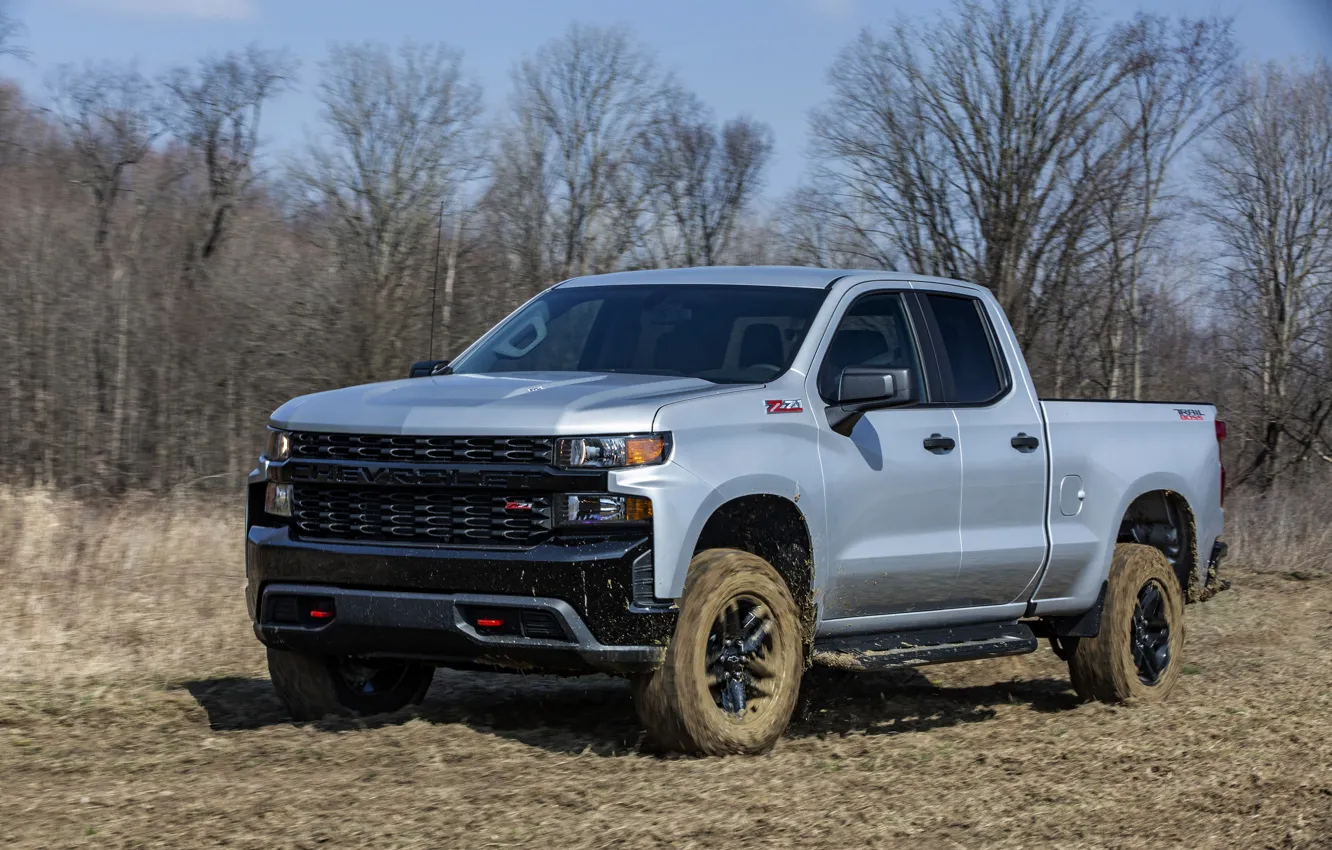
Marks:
<point>775,529</point>
<point>1164,520</point>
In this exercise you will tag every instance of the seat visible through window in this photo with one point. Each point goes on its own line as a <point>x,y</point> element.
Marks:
<point>873,332</point>
<point>681,349</point>
<point>761,345</point>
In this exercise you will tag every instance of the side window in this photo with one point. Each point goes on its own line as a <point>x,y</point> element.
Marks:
<point>873,332</point>
<point>968,353</point>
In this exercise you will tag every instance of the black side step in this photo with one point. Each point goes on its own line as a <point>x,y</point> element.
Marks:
<point>891,650</point>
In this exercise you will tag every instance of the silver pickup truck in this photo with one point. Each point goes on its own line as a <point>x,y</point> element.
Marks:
<point>708,480</point>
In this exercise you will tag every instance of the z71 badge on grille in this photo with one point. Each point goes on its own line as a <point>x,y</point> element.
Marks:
<point>790,405</point>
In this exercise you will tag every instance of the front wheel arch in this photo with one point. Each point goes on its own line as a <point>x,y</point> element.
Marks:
<point>776,530</point>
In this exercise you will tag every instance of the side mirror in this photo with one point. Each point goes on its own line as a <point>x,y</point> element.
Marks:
<point>864,388</point>
<point>864,384</point>
<point>426,368</point>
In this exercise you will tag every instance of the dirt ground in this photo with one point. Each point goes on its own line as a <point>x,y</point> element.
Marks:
<point>982,754</point>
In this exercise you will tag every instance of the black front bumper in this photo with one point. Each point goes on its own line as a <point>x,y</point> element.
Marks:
<point>410,601</point>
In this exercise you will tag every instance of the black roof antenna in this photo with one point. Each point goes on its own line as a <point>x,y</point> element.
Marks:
<point>434,291</point>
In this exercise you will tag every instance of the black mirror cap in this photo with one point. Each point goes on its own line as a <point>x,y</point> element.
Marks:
<point>870,384</point>
<point>426,368</point>
<point>864,388</point>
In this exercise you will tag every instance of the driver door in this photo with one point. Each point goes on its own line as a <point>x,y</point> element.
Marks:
<point>893,502</point>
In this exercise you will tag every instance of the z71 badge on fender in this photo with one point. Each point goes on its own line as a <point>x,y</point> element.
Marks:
<point>790,405</point>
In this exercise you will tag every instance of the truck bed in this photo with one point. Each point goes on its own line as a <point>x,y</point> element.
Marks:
<point>1105,450</point>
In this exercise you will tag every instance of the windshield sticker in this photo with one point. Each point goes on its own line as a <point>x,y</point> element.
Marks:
<point>790,405</point>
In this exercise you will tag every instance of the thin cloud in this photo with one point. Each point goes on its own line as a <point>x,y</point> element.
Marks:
<point>207,10</point>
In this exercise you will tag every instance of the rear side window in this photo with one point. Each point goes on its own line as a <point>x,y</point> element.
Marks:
<point>968,352</point>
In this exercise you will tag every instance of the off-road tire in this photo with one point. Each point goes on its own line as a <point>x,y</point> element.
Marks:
<point>311,686</point>
<point>675,703</point>
<point>1102,668</point>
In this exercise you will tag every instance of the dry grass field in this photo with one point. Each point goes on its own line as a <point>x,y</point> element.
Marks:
<point>135,712</point>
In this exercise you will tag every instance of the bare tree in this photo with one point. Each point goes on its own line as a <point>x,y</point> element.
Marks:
<point>1177,72</point>
<point>402,140</point>
<point>815,228</point>
<point>518,203</point>
<point>111,116</point>
<point>971,157</point>
<point>1268,194</point>
<point>578,108</point>
<point>699,180</point>
<point>10,31</point>
<point>215,110</point>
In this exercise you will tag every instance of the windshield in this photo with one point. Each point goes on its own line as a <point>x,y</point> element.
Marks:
<point>723,334</point>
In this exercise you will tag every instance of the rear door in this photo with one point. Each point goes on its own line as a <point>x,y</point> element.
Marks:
<point>1002,450</point>
<point>893,504</point>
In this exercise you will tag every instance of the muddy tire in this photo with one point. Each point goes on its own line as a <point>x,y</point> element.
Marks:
<point>315,686</point>
<point>1138,653</point>
<point>732,670</point>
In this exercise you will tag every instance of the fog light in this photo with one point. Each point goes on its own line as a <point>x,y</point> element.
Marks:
<point>598,509</point>
<point>277,499</point>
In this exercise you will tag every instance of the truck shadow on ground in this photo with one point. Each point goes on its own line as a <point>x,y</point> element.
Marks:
<point>595,714</point>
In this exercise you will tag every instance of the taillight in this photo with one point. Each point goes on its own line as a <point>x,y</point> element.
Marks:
<point>1221,438</point>
<point>1220,430</point>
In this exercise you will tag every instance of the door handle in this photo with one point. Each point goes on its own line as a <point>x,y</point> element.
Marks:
<point>1025,444</point>
<point>939,444</point>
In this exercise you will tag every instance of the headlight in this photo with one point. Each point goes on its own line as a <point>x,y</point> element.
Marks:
<point>277,499</point>
<point>600,509</point>
<point>279,445</point>
<point>612,452</point>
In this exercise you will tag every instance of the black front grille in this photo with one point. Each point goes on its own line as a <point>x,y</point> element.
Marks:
<point>409,449</point>
<point>420,515</point>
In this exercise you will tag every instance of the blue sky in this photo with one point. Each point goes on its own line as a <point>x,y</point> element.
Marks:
<point>765,58</point>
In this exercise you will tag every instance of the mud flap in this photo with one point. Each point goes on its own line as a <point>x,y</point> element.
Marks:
<point>1086,624</point>
<point>1214,583</point>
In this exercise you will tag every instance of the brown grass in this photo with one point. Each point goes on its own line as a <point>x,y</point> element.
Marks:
<point>134,712</point>
<point>147,588</point>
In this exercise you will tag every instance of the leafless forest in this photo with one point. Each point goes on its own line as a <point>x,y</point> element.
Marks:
<point>1154,212</point>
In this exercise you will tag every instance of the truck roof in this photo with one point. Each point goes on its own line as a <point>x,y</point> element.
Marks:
<point>799,276</point>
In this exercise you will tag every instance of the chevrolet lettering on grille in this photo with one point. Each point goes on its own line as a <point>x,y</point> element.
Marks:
<point>330,473</point>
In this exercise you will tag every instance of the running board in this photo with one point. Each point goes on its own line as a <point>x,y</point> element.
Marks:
<point>892,650</point>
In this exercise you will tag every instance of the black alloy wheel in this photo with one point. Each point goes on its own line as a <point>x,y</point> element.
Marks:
<point>738,646</point>
<point>366,680</point>
<point>314,686</point>
<point>1150,634</point>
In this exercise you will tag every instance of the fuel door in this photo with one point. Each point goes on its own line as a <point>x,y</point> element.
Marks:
<point>1071,495</point>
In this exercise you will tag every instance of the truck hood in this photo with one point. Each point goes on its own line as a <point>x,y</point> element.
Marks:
<point>531,403</point>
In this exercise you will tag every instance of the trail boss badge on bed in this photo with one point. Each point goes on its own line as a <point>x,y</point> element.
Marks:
<point>1189,414</point>
<point>790,405</point>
